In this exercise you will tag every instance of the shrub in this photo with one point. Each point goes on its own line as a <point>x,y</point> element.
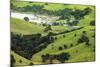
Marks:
<point>84,32</point>
<point>65,46</point>
<point>92,23</point>
<point>87,11</point>
<point>26,18</point>
<point>46,3</point>
<point>87,43</point>
<point>43,24</point>
<point>63,57</point>
<point>20,61</point>
<point>83,38</point>
<point>60,48</point>
<point>71,45</point>
<point>75,35</point>
<point>64,35</point>
<point>31,63</point>
<point>55,38</point>
<point>48,28</point>
<point>45,57</point>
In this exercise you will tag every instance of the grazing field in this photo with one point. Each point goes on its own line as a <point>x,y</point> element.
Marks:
<point>23,27</point>
<point>20,60</point>
<point>68,38</point>
<point>78,52</point>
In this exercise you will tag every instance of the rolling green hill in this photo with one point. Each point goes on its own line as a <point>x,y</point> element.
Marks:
<point>24,4</point>
<point>57,7</point>
<point>20,60</point>
<point>88,18</point>
<point>83,53</point>
<point>79,52</point>
<point>23,27</point>
<point>49,6</point>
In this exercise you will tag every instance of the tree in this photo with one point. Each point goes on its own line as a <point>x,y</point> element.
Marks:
<point>50,33</point>
<point>26,19</point>
<point>45,57</point>
<point>77,14</point>
<point>87,43</point>
<point>64,35</point>
<point>12,61</point>
<point>66,14</point>
<point>48,28</point>
<point>71,45</point>
<point>44,24</point>
<point>55,38</point>
<point>20,61</point>
<point>31,63</point>
<point>46,3</point>
<point>87,11</point>
<point>60,48</point>
<point>75,35</point>
<point>83,38</point>
<point>92,23</point>
<point>63,57</point>
<point>84,32</point>
<point>65,46</point>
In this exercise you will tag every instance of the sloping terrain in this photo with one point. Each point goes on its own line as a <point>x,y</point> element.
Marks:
<point>78,52</point>
<point>79,43</point>
<point>20,60</point>
<point>23,27</point>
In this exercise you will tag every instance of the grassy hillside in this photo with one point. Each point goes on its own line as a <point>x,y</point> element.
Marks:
<point>49,6</point>
<point>83,53</point>
<point>79,52</point>
<point>19,58</point>
<point>23,27</point>
<point>24,4</point>
<point>57,7</point>
<point>88,18</point>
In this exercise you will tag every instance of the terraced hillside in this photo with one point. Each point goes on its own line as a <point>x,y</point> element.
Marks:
<point>68,38</point>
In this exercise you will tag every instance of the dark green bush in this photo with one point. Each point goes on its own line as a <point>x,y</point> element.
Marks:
<point>65,46</point>
<point>63,57</point>
<point>60,48</point>
<point>26,18</point>
<point>31,64</point>
<point>71,45</point>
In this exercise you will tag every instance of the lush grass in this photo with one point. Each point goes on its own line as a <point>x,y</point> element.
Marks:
<point>78,52</point>
<point>59,28</point>
<point>23,27</point>
<point>88,18</point>
<point>49,6</point>
<point>57,7</point>
<point>84,53</point>
<point>18,58</point>
<point>24,4</point>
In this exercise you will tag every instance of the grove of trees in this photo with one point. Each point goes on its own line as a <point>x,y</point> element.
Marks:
<point>62,57</point>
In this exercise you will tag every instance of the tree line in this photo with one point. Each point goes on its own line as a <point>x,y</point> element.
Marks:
<point>64,13</point>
